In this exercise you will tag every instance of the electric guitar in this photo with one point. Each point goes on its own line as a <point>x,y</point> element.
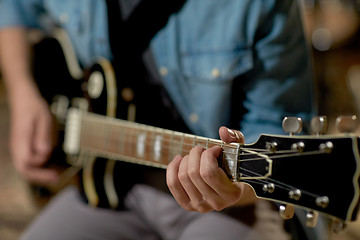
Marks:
<point>318,173</point>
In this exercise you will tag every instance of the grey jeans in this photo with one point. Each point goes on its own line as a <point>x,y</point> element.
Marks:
<point>150,215</point>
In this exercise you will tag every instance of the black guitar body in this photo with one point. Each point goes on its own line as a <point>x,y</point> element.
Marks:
<point>51,72</point>
<point>141,101</point>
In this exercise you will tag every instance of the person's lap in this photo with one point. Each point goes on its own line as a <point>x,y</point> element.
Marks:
<point>151,214</point>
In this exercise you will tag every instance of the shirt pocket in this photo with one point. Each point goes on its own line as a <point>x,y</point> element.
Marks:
<point>216,67</point>
<point>66,13</point>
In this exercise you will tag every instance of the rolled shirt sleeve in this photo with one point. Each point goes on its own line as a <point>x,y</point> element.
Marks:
<point>19,13</point>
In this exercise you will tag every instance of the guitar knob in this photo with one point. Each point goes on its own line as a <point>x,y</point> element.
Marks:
<point>311,218</point>
<point>319,125</point>
<point>292,125</point>
<point>286,211</point>
<point>95,85</point>
<point>346,124</point>
<point>59,107</point>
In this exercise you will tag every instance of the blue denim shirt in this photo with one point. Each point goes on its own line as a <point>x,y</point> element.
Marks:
<point>203,50</point>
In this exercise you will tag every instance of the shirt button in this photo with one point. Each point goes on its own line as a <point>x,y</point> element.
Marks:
<point>64,18</point>
<point>215,73</point>
<point>163,71</point>
<point>194,118</point>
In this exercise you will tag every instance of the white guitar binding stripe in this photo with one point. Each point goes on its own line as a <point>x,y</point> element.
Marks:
<point>73,132</point>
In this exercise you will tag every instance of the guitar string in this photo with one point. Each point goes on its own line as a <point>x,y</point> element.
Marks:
<point>279,154</point>
<point>134,133</point>
<point>134,127</point>
<point>200,140</point>
<point>277,183</point>
<point>285,186</point>
<point>295,154</point>
<point>280,184</point>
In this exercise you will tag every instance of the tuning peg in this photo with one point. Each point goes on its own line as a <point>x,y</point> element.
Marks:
<point>286,211</point>
<point>312,218</point>
<point>338,226</point>
<point>346,124</point>
<point>295,194</point>
<point>292,125</point>
<point>319,125</point>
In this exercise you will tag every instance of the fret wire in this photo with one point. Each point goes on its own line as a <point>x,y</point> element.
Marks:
<point>121,140</point>
<point>139,144</point>
<point>279,184</point>
<point>241,160</point>
<point>132,143</point>
<point>161,156</point>
<point>157,139</point>
<point>147,149</point>
<point>170,148</point>
<point>171,141</point>
<point>163,142</point>
<point>196,138</point>
<point>220,143</point>
<point>130,147</point>
<point>131,134</point>
<point>182,143</point>
<point>90,117</point>
<point>152,149</point>
<point>151,145</point>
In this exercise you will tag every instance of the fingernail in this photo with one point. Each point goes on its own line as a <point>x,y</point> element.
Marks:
<point>233,134</point>
<point>177,157</point>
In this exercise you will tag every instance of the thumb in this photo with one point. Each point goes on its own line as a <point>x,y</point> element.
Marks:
<point>228,135</point>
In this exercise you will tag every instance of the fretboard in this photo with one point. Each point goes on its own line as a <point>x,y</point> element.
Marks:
<point>102,136</point>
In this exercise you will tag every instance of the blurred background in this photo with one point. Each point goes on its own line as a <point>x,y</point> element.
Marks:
<point>333,32</point>
<point>332,29</point>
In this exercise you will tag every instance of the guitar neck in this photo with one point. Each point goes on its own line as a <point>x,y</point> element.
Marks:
<point>117,139</point>
<point>298,170</point>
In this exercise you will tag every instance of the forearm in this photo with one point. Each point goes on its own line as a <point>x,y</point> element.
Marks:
<point>14,60</point>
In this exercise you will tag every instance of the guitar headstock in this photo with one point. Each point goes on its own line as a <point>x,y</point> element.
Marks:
<point>318,173</point>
